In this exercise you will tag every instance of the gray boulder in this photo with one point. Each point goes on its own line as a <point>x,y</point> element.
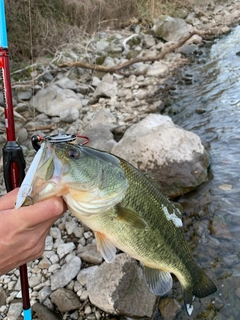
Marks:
<point>54,100</point>
<point>176,157</point>
<point>171,29</point>
<point>119,288</point>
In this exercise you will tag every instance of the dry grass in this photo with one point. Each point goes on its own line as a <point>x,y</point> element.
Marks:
<point>38,27</point>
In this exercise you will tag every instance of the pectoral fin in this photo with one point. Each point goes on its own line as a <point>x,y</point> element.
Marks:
<point>130,217</point>
<point>159,281</point>
<point>105,247</point>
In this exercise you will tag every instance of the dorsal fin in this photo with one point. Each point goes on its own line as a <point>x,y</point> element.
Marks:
<point>159,281</point>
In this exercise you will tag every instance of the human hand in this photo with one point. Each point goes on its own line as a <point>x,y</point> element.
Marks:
<point>23,231</point>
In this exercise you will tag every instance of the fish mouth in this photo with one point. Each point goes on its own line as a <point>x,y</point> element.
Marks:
<point>44,190</point>
<point>49,173</point>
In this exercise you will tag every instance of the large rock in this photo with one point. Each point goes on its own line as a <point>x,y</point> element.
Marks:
<point>53,100</point>
<point>171,29</point>
<point>175,156</point>
<point>119,288</point>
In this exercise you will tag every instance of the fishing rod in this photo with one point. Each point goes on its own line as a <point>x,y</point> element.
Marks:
<point>13,159</point>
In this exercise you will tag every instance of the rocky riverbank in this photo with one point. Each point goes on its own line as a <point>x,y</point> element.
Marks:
<point>71,281</point>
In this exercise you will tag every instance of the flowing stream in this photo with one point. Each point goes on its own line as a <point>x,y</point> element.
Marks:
<point>210,107</point>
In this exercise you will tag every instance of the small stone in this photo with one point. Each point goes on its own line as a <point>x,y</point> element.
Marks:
<point>3,309</point>
<point>158,69</point>
<point>55,233</point>
<point>2,296</point>
<point>87,310</point>
<point>78,232</point>
<point>24,95</point>
<point>84,295</point>
<point>65,300</point>
<point>43,313</point>
<point>77,286</point>
<point>34,280</point>
<point>11,285</point>
<point>54,267</point>
<point>22,135</point>
<point>44,293</point>
<point>44,263</point>
<point>66,273</point>
<point>98,315</point>
<point>168,308</point>
<point>70,226</point>
<point>87,234</point>
<point>49,243</point>
<point>74,315</point>
<point>90,254</point>
<point>47,77</point>
<point>220,228</point>
<point>48,303</point>
<point>54,258</point>
<point>95,81</point>
<point>225,187</point>
<point>106,88</point>
<point>15,310</point>
<point>65,248</point>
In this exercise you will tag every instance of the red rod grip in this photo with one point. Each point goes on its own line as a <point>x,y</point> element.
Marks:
<point>7,95</point>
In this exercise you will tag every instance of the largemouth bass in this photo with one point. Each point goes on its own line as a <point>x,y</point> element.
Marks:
<point>126,210</point>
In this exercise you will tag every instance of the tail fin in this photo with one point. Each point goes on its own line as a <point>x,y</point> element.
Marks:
<point>202,288</point>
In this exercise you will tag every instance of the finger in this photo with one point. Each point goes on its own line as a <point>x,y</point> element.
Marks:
<point>50,209</point>
<point>8,200</point>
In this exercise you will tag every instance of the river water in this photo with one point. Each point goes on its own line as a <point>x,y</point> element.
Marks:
<point>210,107</point>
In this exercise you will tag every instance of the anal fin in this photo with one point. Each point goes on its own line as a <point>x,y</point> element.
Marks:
<point>159,281</point>
<point>105,247</point>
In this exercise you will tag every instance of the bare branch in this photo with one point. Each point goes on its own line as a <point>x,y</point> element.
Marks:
<point>118,67</point>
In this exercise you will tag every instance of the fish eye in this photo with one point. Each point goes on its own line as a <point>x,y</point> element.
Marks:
<point>73,153</point>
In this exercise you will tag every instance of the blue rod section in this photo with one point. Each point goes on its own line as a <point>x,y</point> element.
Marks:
<point>3,30</point>
<point>27,314</point>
